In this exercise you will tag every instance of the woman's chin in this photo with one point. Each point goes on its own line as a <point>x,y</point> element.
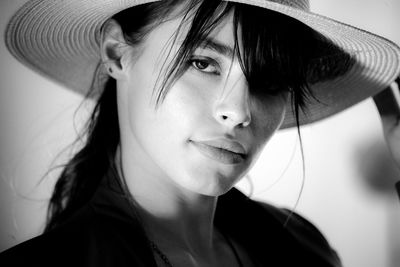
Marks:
<point>213,186</point>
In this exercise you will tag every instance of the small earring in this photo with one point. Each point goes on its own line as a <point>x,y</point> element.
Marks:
<point>110,70</point>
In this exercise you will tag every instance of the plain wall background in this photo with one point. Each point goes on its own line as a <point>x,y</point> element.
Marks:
<point>348,191</point>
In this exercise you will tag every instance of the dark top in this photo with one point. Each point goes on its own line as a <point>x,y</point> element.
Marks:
<point>105,233</point>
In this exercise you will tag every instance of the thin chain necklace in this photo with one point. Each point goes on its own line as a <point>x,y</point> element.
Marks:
<point>165,259</point>
<point>161,254</point>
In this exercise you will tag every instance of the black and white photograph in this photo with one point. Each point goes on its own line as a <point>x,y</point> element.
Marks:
<point>200,133</point>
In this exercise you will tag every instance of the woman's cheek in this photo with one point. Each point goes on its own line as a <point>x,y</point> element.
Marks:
<point>193,95</point>
<point>267,116</point>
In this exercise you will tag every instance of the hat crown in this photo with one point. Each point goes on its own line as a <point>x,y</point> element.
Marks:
<point>299,4</point>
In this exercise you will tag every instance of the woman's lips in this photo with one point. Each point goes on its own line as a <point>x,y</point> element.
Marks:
<point>224,151</point>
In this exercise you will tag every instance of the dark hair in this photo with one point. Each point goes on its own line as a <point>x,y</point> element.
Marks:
<point>279,54</point>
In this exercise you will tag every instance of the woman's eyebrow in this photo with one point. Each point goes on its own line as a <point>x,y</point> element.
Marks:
<point>217,46</point>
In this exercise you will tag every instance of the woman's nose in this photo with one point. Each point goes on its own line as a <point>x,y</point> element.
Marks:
<point>233,108</point>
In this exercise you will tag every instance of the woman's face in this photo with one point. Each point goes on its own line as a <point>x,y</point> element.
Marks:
<point>209,130</point>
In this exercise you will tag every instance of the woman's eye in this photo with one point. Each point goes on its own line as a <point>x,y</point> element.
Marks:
<point>205,65</point>
<point>201,65</point>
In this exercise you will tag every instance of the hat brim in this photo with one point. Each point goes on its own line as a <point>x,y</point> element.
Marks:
<point>60,40</point>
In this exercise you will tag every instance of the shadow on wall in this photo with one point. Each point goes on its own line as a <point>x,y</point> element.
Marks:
<point>380,174</point>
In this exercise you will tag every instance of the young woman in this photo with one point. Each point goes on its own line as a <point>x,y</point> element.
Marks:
<point>188,93</point>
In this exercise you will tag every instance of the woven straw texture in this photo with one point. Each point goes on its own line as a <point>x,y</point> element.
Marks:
<point>60,40</point>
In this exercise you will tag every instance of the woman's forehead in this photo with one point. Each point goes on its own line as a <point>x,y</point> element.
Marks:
<point>221,39</point>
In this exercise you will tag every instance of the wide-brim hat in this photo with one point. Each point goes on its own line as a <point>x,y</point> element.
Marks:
<point>60,40</point>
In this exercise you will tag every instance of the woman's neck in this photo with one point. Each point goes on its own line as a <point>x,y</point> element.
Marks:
<point>173,217</point>
<point>188,227</point>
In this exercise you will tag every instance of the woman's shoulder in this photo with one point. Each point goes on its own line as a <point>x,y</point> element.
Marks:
<point>297,225</point>
<point>88,238</point>
<point>293,222</point>
<point>285,233</point>
<point>56,247</point>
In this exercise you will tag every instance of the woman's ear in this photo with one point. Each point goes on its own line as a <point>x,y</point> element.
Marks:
<point>112,48</point>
